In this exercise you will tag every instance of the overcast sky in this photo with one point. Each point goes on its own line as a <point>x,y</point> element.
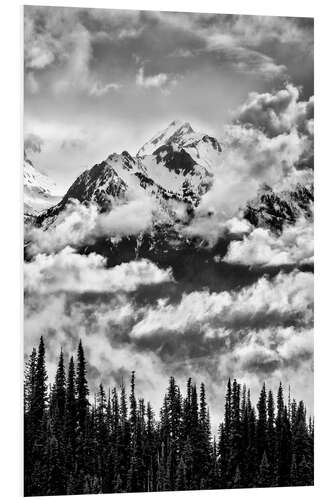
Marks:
<point>99,81</point>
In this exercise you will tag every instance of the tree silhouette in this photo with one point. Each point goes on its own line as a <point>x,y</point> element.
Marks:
<point>114,443</point>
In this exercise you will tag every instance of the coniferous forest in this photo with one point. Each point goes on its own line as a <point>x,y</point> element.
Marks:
<point>114,442</point>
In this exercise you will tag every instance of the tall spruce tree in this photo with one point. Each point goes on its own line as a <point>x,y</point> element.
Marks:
<point>39,399</point>
<point>58,399</point>
<point>270,437</point>
<point>235,434</point>
<point>29,380</point>
<point>29,388</point>
<point>82,389</point>
<point>262,424</point>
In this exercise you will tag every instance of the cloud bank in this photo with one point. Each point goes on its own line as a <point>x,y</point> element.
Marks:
<point>78,225</point>
<point>261,332</point>
<point>286,296</point>
<point>277,113</point>
<point>68,271</point>
<point>294,246</point>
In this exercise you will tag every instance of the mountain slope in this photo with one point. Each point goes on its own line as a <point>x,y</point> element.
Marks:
<point>176,172</point>
<point>179,166</point>
<point>274,210</point>
<point>173,134</point>
<point>39,189</point>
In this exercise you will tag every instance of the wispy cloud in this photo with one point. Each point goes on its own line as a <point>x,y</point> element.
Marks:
<point>33,143</point>
<point>99,89</point>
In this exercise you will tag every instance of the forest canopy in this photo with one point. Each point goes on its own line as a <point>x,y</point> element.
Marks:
<point>113,441</point>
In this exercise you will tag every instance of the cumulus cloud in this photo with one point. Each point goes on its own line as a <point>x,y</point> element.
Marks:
<point>250,160</point>
<point>68,271</point>
<point>150,81</point>
<point>160,80</point>
<point>79,224</point>
<point>63,322</point>
<point>63,42</point>
<point>270,143</point>
<point>214,226</point>
<point>240,345</point>
<point>261,331</point>
<point>268,350</point>
<point>287,295</point>
<point>278,112</point>
<point>295,245</point>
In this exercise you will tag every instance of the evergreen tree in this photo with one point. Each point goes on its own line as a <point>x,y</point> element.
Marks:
<point>58,399</point>
<point>29,388</point>
<point>262,424</point>
<point>250,458</point>
<point>270,437</point>
<point>56,470</point>
<point>72,447</point>
<point>302,447</point>
<point>161,473</point>
<point>285,451</point>
<point>39,398</point>
<point>101,432</point>
<point>38,420</point>
<point>29,380</point>
<point>133,409</point>
<point>204,449</point>
<point>70,430</point>
<point>125,441</point>
<point>82,389</point>
<point>235,434</point>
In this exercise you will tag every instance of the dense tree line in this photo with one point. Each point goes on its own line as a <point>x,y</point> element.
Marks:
<point>117,444</point>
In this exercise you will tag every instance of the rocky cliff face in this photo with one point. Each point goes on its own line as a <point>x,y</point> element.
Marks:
<point>274,210</point>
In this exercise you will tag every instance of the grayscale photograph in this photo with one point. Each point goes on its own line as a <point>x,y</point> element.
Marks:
<point>168,251</point>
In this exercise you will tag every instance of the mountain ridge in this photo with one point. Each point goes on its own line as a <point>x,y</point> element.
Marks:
<point>173,170</point>
<point>39,189</point>
<point>179,170</point>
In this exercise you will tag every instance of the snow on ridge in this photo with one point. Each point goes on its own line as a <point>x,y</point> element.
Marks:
<point>175,129</point>
<point>40,192</point>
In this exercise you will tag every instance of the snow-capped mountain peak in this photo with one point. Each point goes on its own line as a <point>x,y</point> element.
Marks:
<point>172,172</point>
<point>204,150</point>
<point>172,135</point>
<point>177,163</point>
